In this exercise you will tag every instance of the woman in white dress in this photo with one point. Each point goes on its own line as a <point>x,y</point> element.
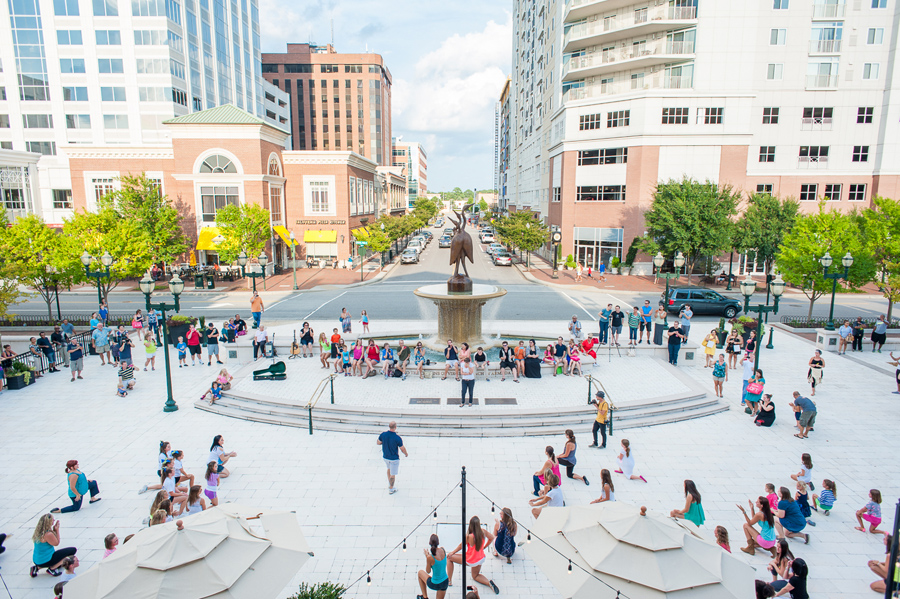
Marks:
<point>626,462</point>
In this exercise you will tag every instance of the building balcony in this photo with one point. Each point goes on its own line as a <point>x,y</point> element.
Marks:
<point>813,162</point>
<point>824,46</point>
<point>625,59</point>
<point>821,81</point>
<point>624,86</point>
<point>829,11</point>
<point>580,9</point>
<point>614,28</point>
<point>816,124</point>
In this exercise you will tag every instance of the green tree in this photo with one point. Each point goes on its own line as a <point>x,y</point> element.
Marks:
<point>40,257</point>
<point>243,228</point>
<point>763,225</point>
<point>522,230</point>
<point>690,217</point>
<point>881,227</point>
<point>810,238</point>
<point>425,209</point>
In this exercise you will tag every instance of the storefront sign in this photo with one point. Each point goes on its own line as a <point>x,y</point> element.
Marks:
<point>321,222</point>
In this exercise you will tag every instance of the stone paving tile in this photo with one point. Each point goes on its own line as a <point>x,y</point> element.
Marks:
<point>335,482</point>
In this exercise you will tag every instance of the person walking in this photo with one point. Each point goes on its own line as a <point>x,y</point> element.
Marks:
<point>467,374</point>
<point>45,555</point>
<point>720,374</point>
<point>659,324</point>
<point>192,337</point>
<point>816,367</point>
<point>693,508</point>
<point>600,420</point>
<point>879,334</point>
<point>76,356</point>
<point>568,459</point>
<point>434,576</point>
<point>505,529</point>
<point>603,317</point>
<point>78,486</point>
<point>212,344</point>
<point>256,309</point>
<point>391,446</point>
<point>675,336</point>
<point>807,414</point>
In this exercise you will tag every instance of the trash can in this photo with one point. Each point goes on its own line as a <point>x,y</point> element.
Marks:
<point>210,282</point>
<point>198,281</point>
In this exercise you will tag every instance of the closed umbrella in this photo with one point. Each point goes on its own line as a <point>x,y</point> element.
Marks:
<point>641,554</point>
<point>229,551</point>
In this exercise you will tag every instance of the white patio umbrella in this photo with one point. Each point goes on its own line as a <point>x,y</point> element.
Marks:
<point>225,552</point>
<point>641,554</point>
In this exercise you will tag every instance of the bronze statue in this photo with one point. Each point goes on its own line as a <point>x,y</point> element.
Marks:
<point>461,247</point>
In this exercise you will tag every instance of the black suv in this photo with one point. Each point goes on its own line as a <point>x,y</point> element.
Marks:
<point>702,301</point>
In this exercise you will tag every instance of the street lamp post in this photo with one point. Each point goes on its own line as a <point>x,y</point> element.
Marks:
<point>748,287</point>
<point>262,259</point>
<point>659,260</point>
<point>176,286</point>
<point>555,239</point>
<point>382,253</point>
<point>826,261</point>
<point>106,260</point>
<point>294,259</point>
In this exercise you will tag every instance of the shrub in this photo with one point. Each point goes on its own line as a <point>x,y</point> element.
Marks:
<point>179,319</point>
<point>326,590</point>
<point>615,262</point>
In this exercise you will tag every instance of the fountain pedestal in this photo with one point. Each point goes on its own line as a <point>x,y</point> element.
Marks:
<point>459,313</point>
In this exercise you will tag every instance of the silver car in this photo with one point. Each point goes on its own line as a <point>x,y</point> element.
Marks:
<point>501,258</point>
<point>409,257</point>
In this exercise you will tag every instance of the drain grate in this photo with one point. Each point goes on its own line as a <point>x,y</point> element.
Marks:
<point>500,401</point>
<point>430,401</point>
<point>454,401</point>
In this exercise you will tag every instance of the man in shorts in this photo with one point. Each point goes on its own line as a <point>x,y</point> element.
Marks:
<point>391,446</point>
<point>604,323</point>
<point>575,329</point>
<point>807,414</point>
<point>100,340</point>
<point>559,355</point>
<point>615,325</point>
<point>76,356</point>
<point>646,317</point>
<point>403,358</point>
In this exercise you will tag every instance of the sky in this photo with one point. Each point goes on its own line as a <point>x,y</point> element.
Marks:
<point>449,60</point>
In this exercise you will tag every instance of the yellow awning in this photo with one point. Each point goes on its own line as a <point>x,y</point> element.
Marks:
<point>284,234</point>
<point>362,233</point>
<point>207,239</point>
<point>320,237</point>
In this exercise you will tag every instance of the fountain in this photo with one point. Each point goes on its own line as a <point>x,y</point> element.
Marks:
<point>460,301</point>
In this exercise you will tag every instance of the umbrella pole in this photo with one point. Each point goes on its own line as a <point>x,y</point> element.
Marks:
<point>891,580</point>
<point>463,485</point>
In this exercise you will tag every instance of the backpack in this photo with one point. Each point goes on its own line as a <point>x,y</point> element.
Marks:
<point>397,373</point>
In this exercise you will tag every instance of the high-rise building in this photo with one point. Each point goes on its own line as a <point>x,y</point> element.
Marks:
<point>338,101</point>
<point>111,71</point>
<point>789,98</point>
<point>501,147</point>
<point>411,156</point>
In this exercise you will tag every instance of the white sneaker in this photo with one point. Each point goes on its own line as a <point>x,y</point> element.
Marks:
<point>392,491</point>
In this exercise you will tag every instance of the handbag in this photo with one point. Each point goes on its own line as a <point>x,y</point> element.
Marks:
<point>850,338</point>
<point>754,388</point>
<point>137,324</point>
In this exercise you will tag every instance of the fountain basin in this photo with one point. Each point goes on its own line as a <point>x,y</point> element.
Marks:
<point>459,314</point>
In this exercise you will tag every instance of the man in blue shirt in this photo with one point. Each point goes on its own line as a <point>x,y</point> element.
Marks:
<point>391,446</point>
<point>807,414</point>
<point>604,323</point>
<point>646,314</point>
<point>100,339</point>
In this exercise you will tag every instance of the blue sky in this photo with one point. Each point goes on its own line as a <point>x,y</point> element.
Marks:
<point>449,60</point>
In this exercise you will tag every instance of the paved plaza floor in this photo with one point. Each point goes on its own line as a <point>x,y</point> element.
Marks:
<point>336,482</point>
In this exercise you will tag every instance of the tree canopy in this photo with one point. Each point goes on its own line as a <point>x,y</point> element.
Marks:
<point>881,229</point>
<point>763,225</point>
<point>522,230</point>
<point>243,228</point>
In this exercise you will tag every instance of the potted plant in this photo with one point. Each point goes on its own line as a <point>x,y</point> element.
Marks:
<point>570,262</point>
<point>746,324</point>
<point>19,376</point>
<point>325,590</point>
<point>722,334</point>
<point>614,265</point>
<point>178,326</point>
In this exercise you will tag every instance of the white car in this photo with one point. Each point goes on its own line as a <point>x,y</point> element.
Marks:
<point>494,246</point>
<point>487,238</point>
<point>415,245</point>
<point>409,257</point>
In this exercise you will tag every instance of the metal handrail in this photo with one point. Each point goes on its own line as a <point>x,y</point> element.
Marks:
<point>317,395</point>
<point>593,384</point>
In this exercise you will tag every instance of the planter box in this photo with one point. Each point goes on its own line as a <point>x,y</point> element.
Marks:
<point>176,331</point>
<point>17,381</point>
<point>722,335</point>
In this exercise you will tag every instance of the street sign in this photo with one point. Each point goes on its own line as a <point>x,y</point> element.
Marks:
<point>362,243</point>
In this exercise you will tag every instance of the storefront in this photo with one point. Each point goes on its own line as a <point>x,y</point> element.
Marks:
<point>594,246</point>
<point>321,245</point>
<point>207,243</point>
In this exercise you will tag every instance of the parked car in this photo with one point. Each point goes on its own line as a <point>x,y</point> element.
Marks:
<point>448,231</point>
<point>415,245</point>
<point>501,258</point>
<point>421,240</point>
<point>702,301</point>
<point>487,238</point>
<point>428,235</point>
<point>409,257</point>
<point>445,241</point>
<point>491,248</point>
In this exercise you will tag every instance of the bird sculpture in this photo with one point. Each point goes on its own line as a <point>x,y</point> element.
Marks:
<point>461,246</point>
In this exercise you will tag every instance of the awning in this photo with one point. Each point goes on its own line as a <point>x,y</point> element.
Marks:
<point>361,233</point>
<point>284,234</point>
<point>320,237</point>
<point>209,239</point>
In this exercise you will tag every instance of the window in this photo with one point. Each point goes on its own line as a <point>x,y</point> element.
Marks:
<point>774,72</point>
<point>781,4</point>
<point>275,202</point>
<point>105,8</point>
<point>864,115</point>
<point>602,193</point>
<point>150,66</point>
<point>812,155</point>
<point>777,37</point>
<point>860,153</point>
<point>328,68</point>
<point>770,116</point>
<point>108,37</point>
<point>75,94</point>
<point>149,37</point>
<point>71,65</point>
<point>152,94</point>
<point>6,145</point>
<point>809,192</point>
<point>62,199</point>
<point>606,156</point>
<point>270,68</point>
<point>319,191</point>
<point>832,193</point>
<point>875,36</point>
<point>214,199</point>
<point>767,153</point>
<point>817,117</point>
<point>110,65</point>
<point>710,116</point>
<point>37,121</point>
<point>557,194</point>
<point>619,118</point>
<point>4,121</point>
<point>879,3</point>
<point>295,68</point>
<point>47,148</point>
<point>112,94</point>
<point>218,164</point>
<point>588,122</point>
<point>857,192</point>
<point>675,116</point>
<point>176,68</point>
<point>78,121</point>
<point>115,121</point>
<point>870,70</point>
<point>179,96</point>
<point>102,187</point>
<point>765,188</point>
<point>65,8</point>
<point>68,37</point>
<point>148,8</point>
<point>637,81</point>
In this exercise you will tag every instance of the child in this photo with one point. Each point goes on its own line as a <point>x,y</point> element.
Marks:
<point>150,350</point>
<point>181,346</point>
<point>802,499</point>
<point>212,484</point>
<point>871,513</point>
<point>58,590</point>
<point>181,477</point>
<point>111,542</point>
<point>722,538</point>
<point>365,322</point>
<point>771,496</point>
<point>214,393</point>
<point>827,498</point>
<point>121,391</point>
<point>68,565</point>
<point>797,411</point>
<point>549,356</point>
<point>345,359</point>
<point>520,357</point>
<point>805,474</point>
<point>195,503</point>
<point>126,375</point>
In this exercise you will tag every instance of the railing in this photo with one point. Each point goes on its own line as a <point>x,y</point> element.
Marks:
<point>40,362</point>
<point>75,319</point>
<point>683,47</point>
<point>317,395</point>
<point>624,21</point>
<point>678,82</point>
<point>820,321</point>
<point>813,161</point>
<point>816,123</point>
<point>607,57</point>
<point>625,85</point>
<point>828,11</point>
<point>596,385</point>
<point>821,81</point>
<point>825,46</point>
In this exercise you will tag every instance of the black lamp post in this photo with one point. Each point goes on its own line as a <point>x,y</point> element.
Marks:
<point>659,260</point>
<point>262,259</point>
<point>382,253</point>
<point>748,287</point>
<point>826,261</point>
<point>106,260</point>
<point>556,240</point>
<point>176,286</point>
